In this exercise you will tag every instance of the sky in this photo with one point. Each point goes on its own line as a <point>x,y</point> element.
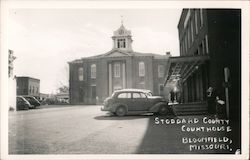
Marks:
<point>44,40</point>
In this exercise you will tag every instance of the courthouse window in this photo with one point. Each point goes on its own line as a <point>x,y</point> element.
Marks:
<point>121,43</point>
<point>117,70</point>
<point>141,69</point>
<point>80,74</point>
<point>160,71</point>
<point>93,71</point>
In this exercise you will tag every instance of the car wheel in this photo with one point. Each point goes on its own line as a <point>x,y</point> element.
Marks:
<point>120,111</point>
<point>163,110</point>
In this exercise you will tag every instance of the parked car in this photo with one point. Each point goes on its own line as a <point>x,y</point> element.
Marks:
<point>127,101</point>
<point>22,103</point>
<point>33,101</point>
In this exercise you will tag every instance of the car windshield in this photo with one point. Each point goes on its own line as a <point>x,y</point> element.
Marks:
<point>31,99</point>
<point>113,94</point>
<point>28,98</point>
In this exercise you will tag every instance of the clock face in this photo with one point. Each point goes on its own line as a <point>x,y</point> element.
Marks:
<point>121,32</point>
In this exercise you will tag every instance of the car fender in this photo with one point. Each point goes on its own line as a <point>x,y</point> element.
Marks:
<point>156,107</point>
<point>114,107</point>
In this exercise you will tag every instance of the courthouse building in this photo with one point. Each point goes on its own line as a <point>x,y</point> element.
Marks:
<point>210,56</point>
<point>92,79</point>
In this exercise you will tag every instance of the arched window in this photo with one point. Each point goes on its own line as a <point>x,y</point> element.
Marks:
<point>93,71</point>
<point>80,74</point>
<point>141,69</point>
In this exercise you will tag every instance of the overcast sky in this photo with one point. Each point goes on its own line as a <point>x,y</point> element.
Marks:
<point>45,40</point>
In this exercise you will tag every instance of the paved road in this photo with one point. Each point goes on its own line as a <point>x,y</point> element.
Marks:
<point>87,130</point>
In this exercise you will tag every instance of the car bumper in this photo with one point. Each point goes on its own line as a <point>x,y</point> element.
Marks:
<point>105,108</point>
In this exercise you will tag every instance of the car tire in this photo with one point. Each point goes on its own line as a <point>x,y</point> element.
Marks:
<point>163,110</point>
<point>120,111</point>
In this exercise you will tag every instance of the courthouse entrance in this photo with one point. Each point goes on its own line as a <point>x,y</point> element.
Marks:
<point>116,76</point>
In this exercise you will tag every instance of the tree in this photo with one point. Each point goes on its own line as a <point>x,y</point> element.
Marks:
<point>63,89</point>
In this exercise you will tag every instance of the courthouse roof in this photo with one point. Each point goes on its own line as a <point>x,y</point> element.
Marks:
<point>122,53</point>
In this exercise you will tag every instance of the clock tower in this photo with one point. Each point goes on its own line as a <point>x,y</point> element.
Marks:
<point>122,39</point>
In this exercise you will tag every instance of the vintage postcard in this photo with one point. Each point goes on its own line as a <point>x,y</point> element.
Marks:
<point>124,80</point>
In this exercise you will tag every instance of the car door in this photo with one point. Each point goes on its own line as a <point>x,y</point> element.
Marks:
<point>139,101</point>
<point>124,98</point>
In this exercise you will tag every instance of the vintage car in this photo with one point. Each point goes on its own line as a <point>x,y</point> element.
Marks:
<point>22,103</point>
<point>33,101</point>
<point>127,101</point>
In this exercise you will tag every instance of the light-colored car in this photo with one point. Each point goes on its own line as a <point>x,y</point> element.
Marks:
<point>140,101</point>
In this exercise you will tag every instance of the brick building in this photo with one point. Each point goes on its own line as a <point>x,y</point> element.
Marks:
<point>210,56</point>
<point>210,41</point>
<point>28,86</point>
<point>92,79</point>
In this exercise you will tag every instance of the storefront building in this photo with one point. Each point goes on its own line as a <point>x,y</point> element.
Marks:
<point>210,56</point>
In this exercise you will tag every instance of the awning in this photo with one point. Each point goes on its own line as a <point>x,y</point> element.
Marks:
<point>182,67</point>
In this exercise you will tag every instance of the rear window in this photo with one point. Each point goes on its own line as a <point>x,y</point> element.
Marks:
<point>124,95</point>
<point>149,94</point>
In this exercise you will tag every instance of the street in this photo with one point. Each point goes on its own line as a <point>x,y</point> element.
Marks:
<point>87,130</point>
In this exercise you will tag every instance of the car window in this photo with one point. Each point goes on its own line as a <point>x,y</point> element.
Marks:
<point>19,99</point>
<point>124,95</point>
<point>143,95</point>
<point>136,95</point>
<point>149,94</point>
